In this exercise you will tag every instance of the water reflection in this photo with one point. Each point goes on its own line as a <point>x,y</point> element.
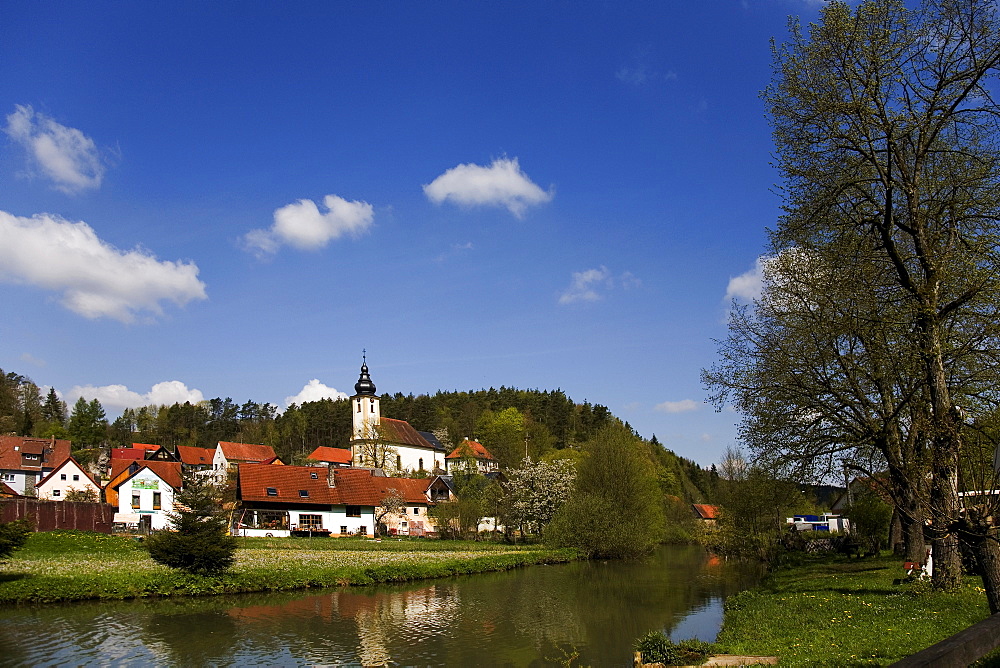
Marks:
<point>528,617</point>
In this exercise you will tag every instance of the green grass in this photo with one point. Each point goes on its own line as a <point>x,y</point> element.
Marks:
<point>840,612</point>
<point>74,565</point>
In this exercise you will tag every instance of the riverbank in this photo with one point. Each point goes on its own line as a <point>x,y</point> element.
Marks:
<point>835,611</point>
<point>73,566</point>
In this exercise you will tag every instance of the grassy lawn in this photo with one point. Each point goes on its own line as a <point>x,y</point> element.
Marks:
<point>75,565</point>
<point>840,612</point>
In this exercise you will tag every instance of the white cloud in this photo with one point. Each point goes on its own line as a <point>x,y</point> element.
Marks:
<point>65,155</point>
<point>501,184</point>
<point>682,406</point>
<point>116,398</point>
<point>31,359</point>
<point>95,278</point>
<point>314,391</point>
<point>302,225</point>
<point>749,285</point>
<point>588,286</point>
<point>642,74</point>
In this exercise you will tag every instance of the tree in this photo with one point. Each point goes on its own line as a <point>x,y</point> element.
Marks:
<point>536,491</point>
<point>885,136</point>
<point>393,503</point>
<point>87,424</point>
<point>616,508</point>
<point>199,542</point>
<point>504,435</point>
<point>376,451</point>
<point>86,495</point>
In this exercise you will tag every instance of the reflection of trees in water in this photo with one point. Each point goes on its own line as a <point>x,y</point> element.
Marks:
<point>191,638</point>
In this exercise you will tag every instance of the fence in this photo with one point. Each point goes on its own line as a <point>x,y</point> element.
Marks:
<point>52,515</point>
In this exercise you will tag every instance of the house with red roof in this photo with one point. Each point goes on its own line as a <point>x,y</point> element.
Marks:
<point>384,443</point>
<point>228,456</point>
<point>195,459</point>
<point>145,490</point>
<point>469,452</point>
<point>67,477</point>
<point>281,501</point>
<point>327,456</point>
<point>705,512</point>
<point>24,461</point>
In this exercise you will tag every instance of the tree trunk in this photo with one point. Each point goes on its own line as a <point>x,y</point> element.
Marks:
<point>988,556</point>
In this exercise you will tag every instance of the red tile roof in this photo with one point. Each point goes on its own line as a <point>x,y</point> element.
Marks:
<point>168,472</point>
<point>77,464</point>
<point>145,446</point>
<point>193,456</point>
<point>246,452</point>
<point>356,487</point>
<point>706,511</point>
<point>331,455</point>
<point>50,452</point>
<point>470,448</point>
<point>6,490</point>
<point>399,432</point>
<point>128,453</point>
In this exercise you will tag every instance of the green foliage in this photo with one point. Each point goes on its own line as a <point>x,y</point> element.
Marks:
<point>870,518</point>
<point>199,543</point>
<point>656,647</point>
<point>13,535</point>
<point>88,425</point>
<point>616,508</point>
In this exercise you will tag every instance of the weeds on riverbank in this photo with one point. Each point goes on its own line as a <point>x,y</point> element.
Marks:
<point>836,611</point>
<point>72,565</point>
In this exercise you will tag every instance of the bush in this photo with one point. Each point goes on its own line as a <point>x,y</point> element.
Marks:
<point>13,535</point>
<point>656,647</point>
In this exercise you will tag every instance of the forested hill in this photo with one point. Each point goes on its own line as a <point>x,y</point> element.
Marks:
<point>509,421</point>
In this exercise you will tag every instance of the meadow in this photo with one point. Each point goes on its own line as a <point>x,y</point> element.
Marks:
<point>846,612</point>
<point>76,565</point>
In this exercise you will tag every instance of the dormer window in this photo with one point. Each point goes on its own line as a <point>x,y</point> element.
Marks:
<point>304,493</point>
<point>272,491</point>
<point>314,475</point>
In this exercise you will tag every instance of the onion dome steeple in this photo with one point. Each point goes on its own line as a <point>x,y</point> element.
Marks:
<point>364,386</point>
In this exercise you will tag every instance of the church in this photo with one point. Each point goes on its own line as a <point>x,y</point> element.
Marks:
<point>383,443</point>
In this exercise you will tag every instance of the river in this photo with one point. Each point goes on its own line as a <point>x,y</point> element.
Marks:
<point>537,616</point>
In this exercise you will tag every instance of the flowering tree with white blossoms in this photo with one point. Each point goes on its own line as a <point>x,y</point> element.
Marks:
<point>537,490</point>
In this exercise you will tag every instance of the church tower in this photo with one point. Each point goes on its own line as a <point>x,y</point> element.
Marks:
<point>364,405</point>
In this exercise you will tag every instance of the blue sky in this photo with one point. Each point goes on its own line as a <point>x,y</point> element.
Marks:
<point>235,199</point>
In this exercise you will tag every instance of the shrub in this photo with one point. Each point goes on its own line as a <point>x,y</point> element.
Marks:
<point>656,647</point>
<point>13,535</point>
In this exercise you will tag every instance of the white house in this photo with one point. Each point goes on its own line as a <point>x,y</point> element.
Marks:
<point>67,477</point>
<point>228,456</point>
<point>147,488</point>
<point>24,461</point>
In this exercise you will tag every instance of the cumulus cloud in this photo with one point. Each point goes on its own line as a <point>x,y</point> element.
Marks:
<point>95,279</point>
<point>314,391</point>
<point>119,397</point>
<point>749,285</point>
<point>501,184</point>
<point>65,155</point>
<point>302,225</point>
<point>682,406</point>
<point>589,285</point>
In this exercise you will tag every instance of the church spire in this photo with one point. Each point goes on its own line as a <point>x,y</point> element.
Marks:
<point>364,386</point>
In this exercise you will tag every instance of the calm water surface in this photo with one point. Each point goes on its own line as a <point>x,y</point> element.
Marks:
<point>529,617</point>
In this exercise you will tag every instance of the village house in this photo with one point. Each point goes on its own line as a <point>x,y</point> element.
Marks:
<point>277,501</point>
<point>228,456</point>
<point>471,452</point>
<point>143,491</point>
<point>65,478</point>
<point>195,459</point>
<point>384,443</point>
<point>24,461</point>
<point>327,456</point>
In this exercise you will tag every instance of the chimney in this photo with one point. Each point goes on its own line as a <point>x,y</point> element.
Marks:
<point>331,476</point>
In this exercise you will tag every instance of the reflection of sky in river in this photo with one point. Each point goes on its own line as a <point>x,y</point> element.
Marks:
<point>702,623</point>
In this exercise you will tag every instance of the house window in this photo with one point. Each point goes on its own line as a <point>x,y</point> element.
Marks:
<point>343,529</point>
<point>76,476</point>
<point>359,405</point>
<point>310,522</point>
<point>264,519</point>
<point>156,500</point>
<point>57,492</point>
<point>363,530</point>
<point>62,476</point>
<point>304,493</point>
<point>421,464</point>
<point>353,511</point>
<point>314,475</point>
<point>416,511</point>
<point>135,501</point>
<point>7,477</point>
<point>399,462</point>
<point>272,491</point>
